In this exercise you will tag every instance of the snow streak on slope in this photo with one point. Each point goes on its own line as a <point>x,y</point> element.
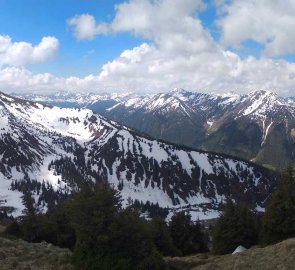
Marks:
<point>161,103</point>
<point>265,103</point>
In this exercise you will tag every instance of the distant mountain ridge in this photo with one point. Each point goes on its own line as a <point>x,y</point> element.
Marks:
<point>259,126</point>
<point>66,99</point>
<point>60,147</point>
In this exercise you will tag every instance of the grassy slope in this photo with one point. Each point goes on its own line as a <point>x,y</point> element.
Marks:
<point>18,254</point>
<point>279,256</point>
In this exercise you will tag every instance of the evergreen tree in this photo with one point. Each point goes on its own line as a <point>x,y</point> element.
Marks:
<point>14,229</point>
<point>162,238</point>
<point>236,226</point>
<point>28,202</point>
<point>279,218</point>
<point>63,229</point>
<point>134,241</point>
<point>187,235</point>
<point>107,236</point>
<point>29,222</point>
<point>53,227</point>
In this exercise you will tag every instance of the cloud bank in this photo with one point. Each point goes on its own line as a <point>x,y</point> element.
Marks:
<point>179,51</point>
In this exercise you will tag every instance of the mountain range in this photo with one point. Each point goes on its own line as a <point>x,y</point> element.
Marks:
<point>259,126</point>
<point>52,149</point>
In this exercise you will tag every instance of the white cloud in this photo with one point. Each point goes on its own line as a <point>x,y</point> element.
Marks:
<point>22,53</point>
<point>268,22</point>
<point>85,26</point>
<point>141,69</point>
<point>15,79</point>
<point>179,52</point>
<point>146,67</point>
<point>183,54</point>
<point>160,21</point>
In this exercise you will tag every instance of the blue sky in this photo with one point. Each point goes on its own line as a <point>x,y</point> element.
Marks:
<point>211,45</point>
<point>30,20</point>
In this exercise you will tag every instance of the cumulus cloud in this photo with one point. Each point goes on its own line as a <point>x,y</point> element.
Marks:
<point>139,70</point>
<point>268,22</point>
<point>147,67</point>
<point>182,53</point>
<point>178,52</point>
<point>85,26</point>
<point>22,53</point>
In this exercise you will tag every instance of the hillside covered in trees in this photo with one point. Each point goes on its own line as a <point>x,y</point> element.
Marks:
<point>103,235</point>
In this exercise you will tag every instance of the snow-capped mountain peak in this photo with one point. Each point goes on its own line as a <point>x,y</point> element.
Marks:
<point>266,104</point>
<point>157,103</point>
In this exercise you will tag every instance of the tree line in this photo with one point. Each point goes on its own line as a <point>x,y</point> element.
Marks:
<point>104,235</point>
<point>238,225</point>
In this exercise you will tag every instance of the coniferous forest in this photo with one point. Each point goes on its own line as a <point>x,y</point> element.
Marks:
<point>104,235</point>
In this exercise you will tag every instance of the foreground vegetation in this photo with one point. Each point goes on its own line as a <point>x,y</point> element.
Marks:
<point>273,257</point>
<point>102,235</point>
<point>21,255</point>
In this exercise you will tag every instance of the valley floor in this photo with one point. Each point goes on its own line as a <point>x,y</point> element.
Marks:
<point>279,256</point>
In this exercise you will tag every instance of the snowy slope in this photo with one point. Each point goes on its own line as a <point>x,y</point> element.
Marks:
<point>259,126</point>
<point>264,104</point>
<point>158,103</point>
<point>62,146</point>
